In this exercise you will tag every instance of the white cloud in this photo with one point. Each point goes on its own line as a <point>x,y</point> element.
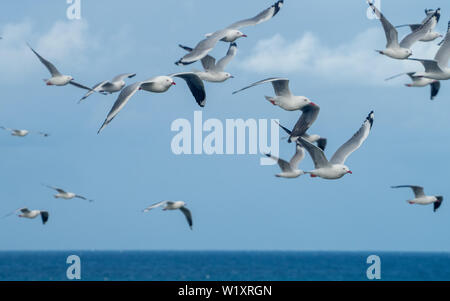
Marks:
<point>351,61</point>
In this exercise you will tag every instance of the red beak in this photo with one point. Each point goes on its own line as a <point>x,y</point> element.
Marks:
<point>313,104</point>
<point>245,36</point>
<point>174,84</point>
<point>350,172</point>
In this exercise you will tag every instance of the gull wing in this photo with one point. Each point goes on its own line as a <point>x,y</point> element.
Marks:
<point>51,68</point>
<point>188,215</point>
<point>355,142</point>
<point>121,101</point>
<point>418,190</point>
<point>263,16</point>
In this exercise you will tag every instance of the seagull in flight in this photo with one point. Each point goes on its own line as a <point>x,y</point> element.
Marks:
<point>169,205</point>
<point>229,34</point>
<point>109,86</point>
<point>31,214</point>
<point>335,168</point>
<point>420,81</point>
<point>57,78</point>
<point>290,170</point>
<point>421,199</point>
<point>62,194</point>
<point>159,84</point>
<point>22,133</point>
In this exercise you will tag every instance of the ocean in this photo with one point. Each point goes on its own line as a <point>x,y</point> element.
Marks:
<point>223,266</point>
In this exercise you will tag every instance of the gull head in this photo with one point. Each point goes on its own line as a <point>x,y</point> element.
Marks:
<point>228,75</point>
<point>343,170</point>
<point>408,52</point>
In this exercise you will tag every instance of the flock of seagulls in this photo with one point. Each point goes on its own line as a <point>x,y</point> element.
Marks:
<point>214,71</point>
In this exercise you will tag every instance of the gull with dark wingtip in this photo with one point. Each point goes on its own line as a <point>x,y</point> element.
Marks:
<point>159,84</point>
<point>335,168</point>
<point>420,198</point>
<point>229,34</point>
<point>169,205</point>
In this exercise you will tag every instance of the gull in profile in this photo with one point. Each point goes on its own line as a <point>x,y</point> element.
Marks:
<point>431,35</point>
<point>215,72</point>
<point>394,49</point>
<point>284,97</point>
<point>32,214</point>
<point>169,205</point>
<point>109,86</point>
<point>22,133</point>
<point>438,68</point>
<point>335,168</point>
<point>289,170</point>
<point>421,199</point>
<point>229,34</point>
<point>62,194</point>
<point>57,78</point>
<point>420,81</point>
<point>159,84</point>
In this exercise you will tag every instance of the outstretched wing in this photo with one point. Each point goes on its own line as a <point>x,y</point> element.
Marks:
<point>284,165</point>
<point>298,157</point>
<point>418,190</point>
<point>55,188</point>
<point>316,153</point>
<point>188,215</point>
<point>389,30</point>
<point>51,68</point>
<point>123,76</point>
<point>156,205</point>
<point>443,54</point>
<point>196,86</point>
<point>208,62</point>
<point>280,85</point>
<point>263,16</point>
<point>354,143</point>
<point>121,101</point>
<point>306,120</point>
<point>222,63</point>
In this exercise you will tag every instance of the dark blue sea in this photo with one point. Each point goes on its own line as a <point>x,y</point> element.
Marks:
<point>223,266</point>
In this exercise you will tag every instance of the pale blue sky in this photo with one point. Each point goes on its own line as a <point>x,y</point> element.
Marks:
<point>236,203</point>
